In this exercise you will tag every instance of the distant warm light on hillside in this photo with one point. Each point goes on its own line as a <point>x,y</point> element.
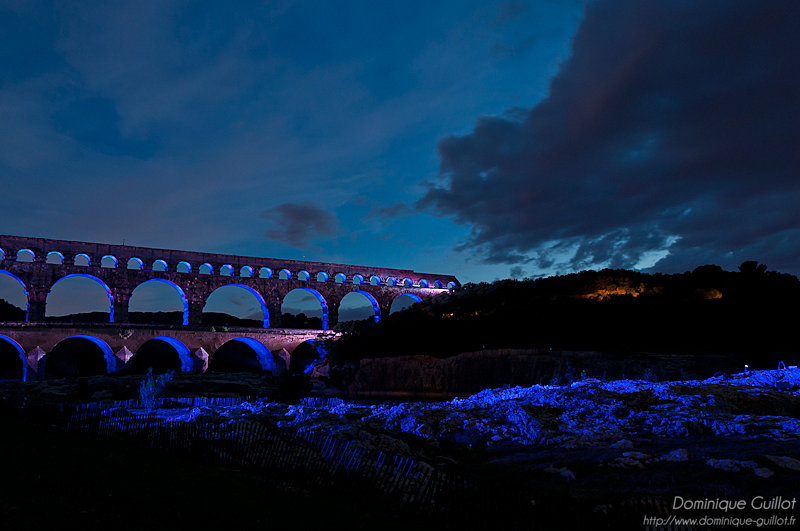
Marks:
<point>614,291</point>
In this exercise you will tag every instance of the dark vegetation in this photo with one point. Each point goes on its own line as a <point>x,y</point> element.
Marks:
<point>705,311</point>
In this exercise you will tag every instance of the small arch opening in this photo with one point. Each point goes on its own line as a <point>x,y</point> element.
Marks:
<point>54,258</point>
<point>183,267</point>
<point>159,265</point>
<point>25,255</point>
<point>82,260</point>
<point>423,283</point>
<point>285,274</point>
<point>340,278</point>
<point>438,284</point>
<point>391,281</point>
<point>109,261</point>
<point>303,275</point>
<point>205,269</point>
<point>265,272</point>
<point>135,263</point>
<point>358,279</point>
<point>246,272</point>
<point>322,276</point>
<point>375,280</point>
<point>408,283</point>
<point>226,270</point>
<point>452,285</point>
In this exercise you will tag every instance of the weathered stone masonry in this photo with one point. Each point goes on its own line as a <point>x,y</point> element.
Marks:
<point>261,275</point>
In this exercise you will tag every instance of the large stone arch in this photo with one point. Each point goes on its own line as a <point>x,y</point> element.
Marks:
<point>184,300</point>
<point>24,290</point>
<point>21,353</point>
<point>255,293</point>
<point>323,303</point>
<point>184,354</point>
<point>376,308</point>
<point>99,281</point>
<point>83,360</point>
<point>262,354</point>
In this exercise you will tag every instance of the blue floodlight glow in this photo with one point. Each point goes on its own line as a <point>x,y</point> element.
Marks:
<point>358,279</point>
<point>262,353</point>
<point>183,267</point>
<point>21,352</point>
<point>226,270</point>
<point>159,265</point>
<point>438,284</point>
<point>423,283</point>
<point>408,283</point>
<point>375,306</point>
<point>285,274</point>
<point>322,276</point>
<point>340,278</point>
<point>303,275</point>
<point>375,280</point>
<point>105,287</point>
<point>136,262</point>
<point>322,303</point>
<point>108,354</point>
<point>413,296</point>
<point>391,281</point>
<point>451,285</point>
<point>265,272</point>
<point>246,272</point>
<point>205,269</point>
<point>24,289</point>
<point>181,349</point>
<point>180,292</point>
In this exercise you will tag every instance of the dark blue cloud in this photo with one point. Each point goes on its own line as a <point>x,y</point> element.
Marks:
<point>673,126</point>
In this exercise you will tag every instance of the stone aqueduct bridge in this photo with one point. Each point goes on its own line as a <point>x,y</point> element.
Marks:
<point>39,263</point>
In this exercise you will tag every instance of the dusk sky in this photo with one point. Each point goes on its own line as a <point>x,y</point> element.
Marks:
<point>480,139</point>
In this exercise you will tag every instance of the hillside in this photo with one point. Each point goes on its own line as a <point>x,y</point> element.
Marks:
<point>706,311</point>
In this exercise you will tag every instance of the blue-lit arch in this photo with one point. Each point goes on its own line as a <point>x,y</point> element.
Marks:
<point>322,302</point>
<point>21,352</point>
<point>58,258</point>
<point>108,354</point>
<point>183,267</point>
<point>205,269</point>
<point>181,349</point>
<point>180,292</point>
<point>285,274</point>
<point>105,287</point>
<point>322,276</point>
<point>109,259</point>
<point>265,272</point>
<point>375,280</point>
<point>423,283</point>
<point>259,297</point>
<point>24,290</point>
<point>136,263</point>
<point>408,283</point>
<point>358,279</point>
<point>79,256</point>
<point>226,270</point>
<point>24,252</point>
<point>246,272</point>
<point>159,265</point>
<point>375,306</point>
<point>262,353</point>
<point>303,275</point>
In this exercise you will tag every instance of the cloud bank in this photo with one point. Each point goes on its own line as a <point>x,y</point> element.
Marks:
<point>671,133</point>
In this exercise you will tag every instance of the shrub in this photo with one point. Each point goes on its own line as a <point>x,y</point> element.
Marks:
<point>152,388</point>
